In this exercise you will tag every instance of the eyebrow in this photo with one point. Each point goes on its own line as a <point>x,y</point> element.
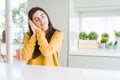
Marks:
<point>40,15</point>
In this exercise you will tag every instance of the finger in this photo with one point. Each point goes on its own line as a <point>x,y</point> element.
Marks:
<point>28,20</point>
<point>31,23</point>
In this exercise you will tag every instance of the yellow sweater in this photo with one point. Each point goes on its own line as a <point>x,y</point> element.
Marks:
<point>49,51</point>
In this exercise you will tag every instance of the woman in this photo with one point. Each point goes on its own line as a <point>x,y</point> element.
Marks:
<point>43,42</point>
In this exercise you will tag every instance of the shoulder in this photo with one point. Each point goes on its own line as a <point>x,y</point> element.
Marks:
<point>27,34</point>
<point>58,33</point>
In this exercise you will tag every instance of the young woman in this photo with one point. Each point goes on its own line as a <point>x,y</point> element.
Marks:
<point>43,42</point>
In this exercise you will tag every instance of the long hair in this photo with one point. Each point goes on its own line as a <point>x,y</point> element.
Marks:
<point>49,32</point>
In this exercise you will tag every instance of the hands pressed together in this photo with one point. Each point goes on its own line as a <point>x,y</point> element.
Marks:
<point>33,27</point>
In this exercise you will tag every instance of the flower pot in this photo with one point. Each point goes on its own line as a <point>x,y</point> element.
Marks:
<point>18,54</point>
<point>103,45</point>
<point>88,44</point>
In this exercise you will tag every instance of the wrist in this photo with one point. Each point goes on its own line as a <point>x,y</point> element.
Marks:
<point>34,35</point>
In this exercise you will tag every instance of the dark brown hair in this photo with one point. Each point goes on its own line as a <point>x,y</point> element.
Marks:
<point>49,32</point>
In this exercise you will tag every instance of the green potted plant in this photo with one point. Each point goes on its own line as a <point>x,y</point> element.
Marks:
<point>110,45</point>
<point>88,41</point>
<point>115,44</point>
<point>92,36</point>
<point>105,35</point>
<point>83,35</point>
<point>117,33</point>
<point>104,39</point>
<point>117,37</point>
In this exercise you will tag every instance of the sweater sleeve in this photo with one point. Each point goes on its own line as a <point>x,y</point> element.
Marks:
<point>51,47</point>
<point>28,48</point>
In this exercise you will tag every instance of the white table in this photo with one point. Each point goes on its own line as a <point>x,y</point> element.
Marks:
<point>18,71</point>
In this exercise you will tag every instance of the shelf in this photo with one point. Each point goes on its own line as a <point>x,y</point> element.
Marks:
<point>96,52</point>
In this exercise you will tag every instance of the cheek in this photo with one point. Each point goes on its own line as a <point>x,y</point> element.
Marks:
<point>37,23</point>
<point>47,21</point>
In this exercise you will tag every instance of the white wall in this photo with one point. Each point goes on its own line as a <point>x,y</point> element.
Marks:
<point>58,12</point>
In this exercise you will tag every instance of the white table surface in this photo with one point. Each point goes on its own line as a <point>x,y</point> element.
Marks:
<point>18,71</point>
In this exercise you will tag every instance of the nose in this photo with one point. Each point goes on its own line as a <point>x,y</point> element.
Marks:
<point>41,20</point>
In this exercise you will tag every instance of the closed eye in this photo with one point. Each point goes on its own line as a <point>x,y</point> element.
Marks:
<point>36,19</point>
<point>42,15</point>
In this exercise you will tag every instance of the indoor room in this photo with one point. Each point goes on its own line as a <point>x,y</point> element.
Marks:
<point>60,39</point>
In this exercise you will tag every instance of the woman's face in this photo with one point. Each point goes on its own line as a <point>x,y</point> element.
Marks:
<point>40,20</point>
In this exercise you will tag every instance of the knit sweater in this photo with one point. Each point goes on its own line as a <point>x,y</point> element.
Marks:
<point>49,51</point>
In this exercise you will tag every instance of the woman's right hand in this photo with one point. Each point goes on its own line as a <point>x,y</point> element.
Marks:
<point>33,27</point>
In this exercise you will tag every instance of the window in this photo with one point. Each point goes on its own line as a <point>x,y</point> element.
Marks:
<point>19,17</point>
<point>2,16</point>
<point>19,24</point>
<point>101,22</point>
